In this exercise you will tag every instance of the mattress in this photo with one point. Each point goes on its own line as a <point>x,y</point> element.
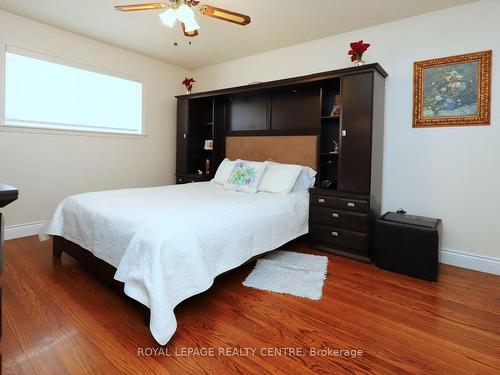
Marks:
<point>169,243</point>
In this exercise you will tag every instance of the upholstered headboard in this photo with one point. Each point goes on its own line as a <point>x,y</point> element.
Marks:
<point>293,149</point>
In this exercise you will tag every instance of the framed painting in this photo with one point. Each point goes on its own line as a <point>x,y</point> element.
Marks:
<point>452,91</point>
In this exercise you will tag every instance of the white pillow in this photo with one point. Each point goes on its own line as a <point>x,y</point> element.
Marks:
<point>279,178</point>
<point>245,176</point>
<point>305,181</point>
<point>223,171</point>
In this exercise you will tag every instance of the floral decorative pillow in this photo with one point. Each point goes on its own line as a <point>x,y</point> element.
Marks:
<point>245,176</point>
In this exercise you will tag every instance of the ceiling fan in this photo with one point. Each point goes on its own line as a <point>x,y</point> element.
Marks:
<point>182,10</point>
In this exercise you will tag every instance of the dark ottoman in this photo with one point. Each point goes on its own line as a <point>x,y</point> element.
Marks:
<point>408,244</point>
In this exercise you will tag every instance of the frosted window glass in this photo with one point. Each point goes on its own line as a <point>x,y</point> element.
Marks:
<point>43,94</point>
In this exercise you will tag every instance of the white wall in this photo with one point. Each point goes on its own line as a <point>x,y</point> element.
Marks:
<point>47,166</point>
<point>450,173</point>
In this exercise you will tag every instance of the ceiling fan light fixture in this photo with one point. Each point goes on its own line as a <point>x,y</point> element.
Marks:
<point>191,25</point>
<point>184,13</point>
<point>168,17</point>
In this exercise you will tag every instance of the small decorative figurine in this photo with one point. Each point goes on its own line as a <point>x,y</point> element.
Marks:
<point>335,110</point>
<point>335,147</point>
<point>207,167</point>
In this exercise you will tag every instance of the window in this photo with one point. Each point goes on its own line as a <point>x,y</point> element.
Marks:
<point>44,94</point>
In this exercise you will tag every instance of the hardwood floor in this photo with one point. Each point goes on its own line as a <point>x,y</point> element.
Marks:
<point>60,319</point>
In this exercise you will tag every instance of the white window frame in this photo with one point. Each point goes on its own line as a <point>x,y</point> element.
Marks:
<point>48,128</point>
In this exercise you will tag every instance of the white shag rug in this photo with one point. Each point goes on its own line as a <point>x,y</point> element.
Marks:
<point>301,275</point>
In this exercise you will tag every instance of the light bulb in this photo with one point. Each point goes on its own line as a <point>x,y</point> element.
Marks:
<point>191,25</point>
<point>168,17</point>
<point>184,13</point>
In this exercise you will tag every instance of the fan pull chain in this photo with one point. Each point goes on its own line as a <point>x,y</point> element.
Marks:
<point>178,33</point>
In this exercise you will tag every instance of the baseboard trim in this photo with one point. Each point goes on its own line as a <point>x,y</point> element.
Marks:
<point>471,261</point>
<point>447,256</point>
<point>23,230</point>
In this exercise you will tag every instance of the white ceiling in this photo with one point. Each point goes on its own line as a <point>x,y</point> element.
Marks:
<point>275,24</point>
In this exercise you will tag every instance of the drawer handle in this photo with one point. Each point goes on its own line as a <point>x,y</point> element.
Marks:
<point>180,179</point>
<point>335,215</point>
<point>321,200</point>
<point>350,204</point>
<point>335,234</point>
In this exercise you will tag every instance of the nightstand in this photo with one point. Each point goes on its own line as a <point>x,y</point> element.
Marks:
<point>340,223</point>
<point>185,178</point>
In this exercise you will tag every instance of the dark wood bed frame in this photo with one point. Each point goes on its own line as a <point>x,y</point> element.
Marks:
<point>105,271</point>
<point>100,268</point>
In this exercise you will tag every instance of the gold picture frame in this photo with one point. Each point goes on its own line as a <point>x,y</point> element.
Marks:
<point>452,91</point>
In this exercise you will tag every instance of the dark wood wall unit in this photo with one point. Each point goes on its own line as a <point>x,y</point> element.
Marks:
<point>344,108</point>
<point>248,111</point>
<point>355,141</point>
<point>199,120</point>
<point>354,174</point>
<point>324,76</point>
<point>296,107</point>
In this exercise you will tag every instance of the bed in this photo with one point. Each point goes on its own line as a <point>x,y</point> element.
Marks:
<point>169,243</point>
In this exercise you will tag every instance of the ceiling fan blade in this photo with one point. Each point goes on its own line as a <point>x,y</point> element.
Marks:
<point>225,15</point>
<point>145,6</point>
<point>190,34</point>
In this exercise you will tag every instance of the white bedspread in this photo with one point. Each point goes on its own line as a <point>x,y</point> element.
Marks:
<point>169,243</point>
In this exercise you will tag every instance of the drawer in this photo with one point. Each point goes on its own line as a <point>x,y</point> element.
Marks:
<point>353,205</point>
<point>323,201</point>
<point>340,237</point>
<point>339,219</point>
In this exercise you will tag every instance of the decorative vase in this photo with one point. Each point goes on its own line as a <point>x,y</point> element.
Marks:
<point>359,62</point>
<point>449,104</point>
<point>189,92</point>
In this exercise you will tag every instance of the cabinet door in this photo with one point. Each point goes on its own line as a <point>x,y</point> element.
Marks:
<point>355,141</point>
<point>296,108</point>
<point>248,111</point>
<point>182,135</point>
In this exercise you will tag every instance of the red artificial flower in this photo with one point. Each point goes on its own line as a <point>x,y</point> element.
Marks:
<point>188,81</point>
<point>357,50</point>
